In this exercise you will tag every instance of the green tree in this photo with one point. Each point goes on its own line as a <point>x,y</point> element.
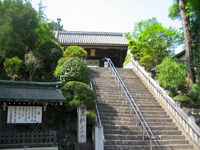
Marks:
<point>194,94</point>
<point>75,51</point>
<point>171,74</point>
<point>18,21</point>
<point>44,34</point>
<point>151,42</point>
<point>54,26</point>
<point>127,59</point>
<point>12,67</point>
<point>188,11</point>
<point>183,99</point>
<point>51,52</point>
<point>42,16</point>
<point>33,62</point>
<point>73,69</point>
<point>77,93</point>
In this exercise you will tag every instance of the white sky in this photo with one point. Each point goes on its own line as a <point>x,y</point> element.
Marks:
<point>106,15</point>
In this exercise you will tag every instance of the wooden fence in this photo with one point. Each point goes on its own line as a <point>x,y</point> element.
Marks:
<point>27,139</point>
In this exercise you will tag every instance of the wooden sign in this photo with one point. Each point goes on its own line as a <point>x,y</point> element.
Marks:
<point>92,52</point>
<point>24,114</point>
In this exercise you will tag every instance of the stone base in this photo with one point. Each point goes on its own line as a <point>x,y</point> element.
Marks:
<point>82,146</point>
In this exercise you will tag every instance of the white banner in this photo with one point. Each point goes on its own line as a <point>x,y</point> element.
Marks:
<point>24,114</point>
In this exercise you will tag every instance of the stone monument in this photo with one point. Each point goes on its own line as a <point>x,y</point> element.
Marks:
<point>81,129</point>
<point>81,124</point>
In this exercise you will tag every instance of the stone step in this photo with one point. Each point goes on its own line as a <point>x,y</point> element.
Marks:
<point>117,127</point>
<point>144,111</point>
<point>146,114</point>
<point>107,82</point>
<point>139,132</point>
<point>131,117</point>
<point>145,147</point>
<point>123,123</point>
<point>123,102</point>
<point>168,137</point>
<point>110,86</point>
<point>113,88</point>
<point>117,98</point>
<point>121,118</point>
<point>124,137</point>
<point>129,123</point>
<point>127,109</point>
<point>145,142</point>
<point>118,93</point>
<point>138,137</point>
<point>115,114</point>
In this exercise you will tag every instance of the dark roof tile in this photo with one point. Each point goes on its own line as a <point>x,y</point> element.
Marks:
<point>93,38</point>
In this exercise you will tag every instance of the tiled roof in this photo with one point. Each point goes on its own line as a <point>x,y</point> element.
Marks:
<point>26,91</point>
<point>179,54</point>
<point>91,38</point>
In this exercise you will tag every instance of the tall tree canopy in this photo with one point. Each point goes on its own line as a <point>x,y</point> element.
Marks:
<point>188,11</point>
<point>22,30</point>
<point>151,42</point>
<point>18,21</point>
<point>54,26</point>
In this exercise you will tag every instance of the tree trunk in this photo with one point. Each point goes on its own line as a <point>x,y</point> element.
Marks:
<point>187,37</point>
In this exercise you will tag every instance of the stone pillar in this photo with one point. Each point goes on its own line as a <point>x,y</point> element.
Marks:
<point>81,124</point>
<point>191,119</point>
<point>99,138</point>
<point>81,129</point>
<point>132,59</point>
<point>178,104</point>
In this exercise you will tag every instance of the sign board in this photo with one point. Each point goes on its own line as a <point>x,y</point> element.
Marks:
<point>24,114</point>
<point>92,52</point>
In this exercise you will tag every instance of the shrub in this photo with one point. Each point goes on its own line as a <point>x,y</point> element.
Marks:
<point>33,61</point>
<point>73,69</point>
<point>90,121</point>
<point>148,62</point>
<point>77,93</point>
<point>62,60</point>
<point>171,74</point>
<point>12,67</point>
<point>194,94</point>
<point>75,51</point>
<point>183,99</point>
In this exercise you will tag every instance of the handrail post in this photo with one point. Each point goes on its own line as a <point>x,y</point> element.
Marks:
<point>150,144</point>
<point>142,134</point>
<point>136,120</point>
<point>130,110</point>
<point>125,100</point>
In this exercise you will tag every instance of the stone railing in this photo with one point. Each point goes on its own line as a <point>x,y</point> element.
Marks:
<point>188,123</point>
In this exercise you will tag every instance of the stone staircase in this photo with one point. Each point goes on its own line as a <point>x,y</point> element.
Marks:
<point>120,128</point>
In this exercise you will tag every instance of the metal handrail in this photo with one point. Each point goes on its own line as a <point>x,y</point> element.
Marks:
<point>96,107</point>
<point>169,102</point>
<point>98,121</point>
<point>132,102</point>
